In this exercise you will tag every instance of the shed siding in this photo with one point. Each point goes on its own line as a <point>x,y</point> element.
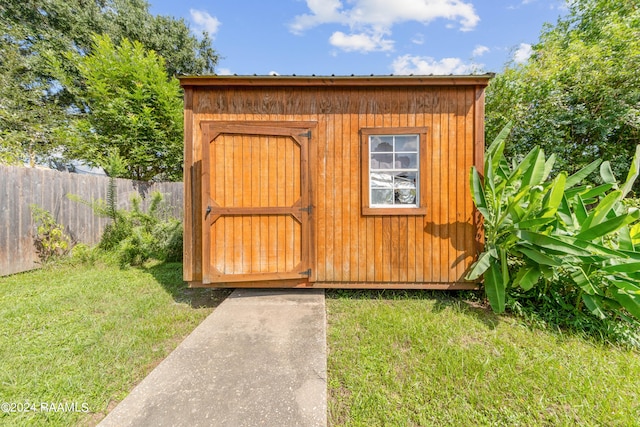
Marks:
<point>348,248</point>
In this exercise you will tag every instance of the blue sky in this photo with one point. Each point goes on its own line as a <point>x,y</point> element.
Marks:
<point>344,37</point>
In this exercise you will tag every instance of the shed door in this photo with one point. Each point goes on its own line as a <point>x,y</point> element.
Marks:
<point>256,203</point>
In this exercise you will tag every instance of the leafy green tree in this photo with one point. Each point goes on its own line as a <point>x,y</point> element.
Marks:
<point>53,27</point>
<point>135,112</point>
<point>42,90</point>
<point>578,96</point>
<point>28,113</point>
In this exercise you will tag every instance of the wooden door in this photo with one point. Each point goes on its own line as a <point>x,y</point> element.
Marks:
<point>256,203</point>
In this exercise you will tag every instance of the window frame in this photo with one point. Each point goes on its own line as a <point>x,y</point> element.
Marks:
<point>421,207</point>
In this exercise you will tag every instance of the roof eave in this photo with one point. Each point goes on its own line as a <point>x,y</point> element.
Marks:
<point>337,81</point>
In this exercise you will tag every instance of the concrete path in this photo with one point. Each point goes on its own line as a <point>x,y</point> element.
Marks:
<point>258,360</point>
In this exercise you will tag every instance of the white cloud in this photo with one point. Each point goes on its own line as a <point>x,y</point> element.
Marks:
<point>360,42</point>
<point>373,19</point>
<point>522,53</point>
<point>479,50</point>
<point>224,72</point>
<point>205,22</point>
<point>385,13</point>
<point>424,65</point>
<point>418,39</point>
<point>274,73</point>
<point>322,12</point>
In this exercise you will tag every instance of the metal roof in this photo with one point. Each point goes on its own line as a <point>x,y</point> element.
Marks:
<point>333,80</point>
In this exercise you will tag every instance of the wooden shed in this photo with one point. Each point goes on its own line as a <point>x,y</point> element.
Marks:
<point>331,182</point>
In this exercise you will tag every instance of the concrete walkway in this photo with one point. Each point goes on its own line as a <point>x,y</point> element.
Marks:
<point>258,360</point>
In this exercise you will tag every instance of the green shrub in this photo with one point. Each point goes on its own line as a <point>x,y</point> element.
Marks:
<point>147,235</point>
<point>51,241</point>
<point>137,236</point>
<point>168,236</point>
<point>554,238</point>
<point>115,232</point>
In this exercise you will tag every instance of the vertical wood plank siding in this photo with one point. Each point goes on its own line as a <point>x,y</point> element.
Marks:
<point>255,172</point>
<point>349,249</point>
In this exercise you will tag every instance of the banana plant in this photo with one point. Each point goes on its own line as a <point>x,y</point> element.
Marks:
<point>548,226</point>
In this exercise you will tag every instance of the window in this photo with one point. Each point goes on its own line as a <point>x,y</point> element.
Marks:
<point>393,160</point>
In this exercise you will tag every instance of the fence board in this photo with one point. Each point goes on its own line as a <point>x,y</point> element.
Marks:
<point>21,187</point>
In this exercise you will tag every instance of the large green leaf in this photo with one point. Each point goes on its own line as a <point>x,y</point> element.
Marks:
<point>551,243</point>
<point>625,242</point>
<point>594,305</point>
<point>601,211</point>
<point>526,163</point>
<point>534,174</point>
<point>634,170</point>
<point>594,249</point>
<point>480,266</point>
<point>477,192</point>
<point>608,226</point>
<point>497,146</point>
<point>489,176</point>
<point>516,212</point>
<point>593,259</point>
<point>635,276</point>
<point>628,286</point>
<point>595,192</point>
<point>630,302</point>
<point>534,222</point>
<point>571,192</point>
<point>538,257</point>
<point>553,198</point>
<point>632,255</point>
<point>505,266</point>
<point>527,277</point>
<point>582,280</point>
<point>629,267</point>
<point>607,174</point>
<point>495,288</point>
<point>503,170</point>
<point>634,231</point>
<point>514,207</point>
<point>548,166</point>
<point>580,210</point>
<point>564,212</point>
<point>577,177</point>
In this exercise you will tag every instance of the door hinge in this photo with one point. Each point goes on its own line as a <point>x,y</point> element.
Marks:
<point>306,273</point>
<point>307,209</point>
<point>306,134</point>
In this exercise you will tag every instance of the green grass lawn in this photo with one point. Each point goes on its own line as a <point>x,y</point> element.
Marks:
<point>86,335</point>
<point>428,359</point>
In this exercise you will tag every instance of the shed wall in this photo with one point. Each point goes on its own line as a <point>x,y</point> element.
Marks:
<point>352,250</point>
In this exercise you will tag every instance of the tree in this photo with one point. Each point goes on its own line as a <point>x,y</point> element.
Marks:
<point>135,111</point>
<point>58,26</point>
<point>578,96</point>
<point>42,90</point>
<point>28,114</point>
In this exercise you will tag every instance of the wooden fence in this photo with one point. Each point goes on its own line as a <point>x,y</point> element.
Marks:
<point>22,187</point>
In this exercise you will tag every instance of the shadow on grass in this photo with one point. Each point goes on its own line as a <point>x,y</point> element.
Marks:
<point>468,302</point>
<point>472,303</point>
<point>169,275</point>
